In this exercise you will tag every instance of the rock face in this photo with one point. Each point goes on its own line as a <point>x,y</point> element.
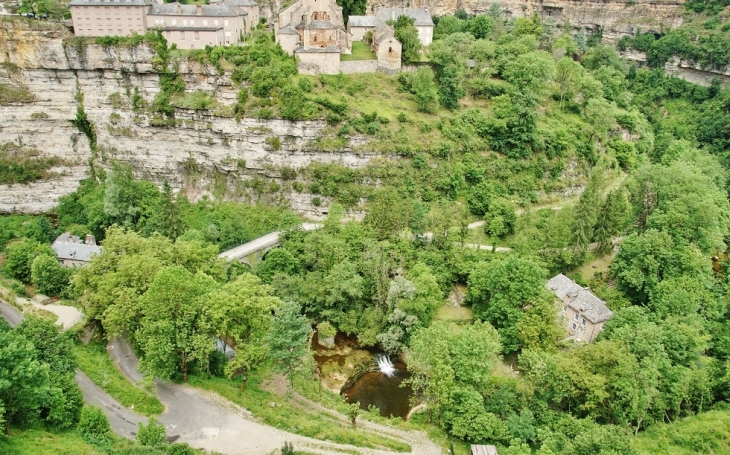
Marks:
<point>201,153</point>
<point>613,18</point>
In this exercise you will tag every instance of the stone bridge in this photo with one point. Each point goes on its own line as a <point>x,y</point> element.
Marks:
<point>253,251</point>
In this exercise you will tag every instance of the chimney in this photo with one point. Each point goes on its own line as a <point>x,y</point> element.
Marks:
<point>199,10</point>
<point>90,240</point>
<point>179,9</point>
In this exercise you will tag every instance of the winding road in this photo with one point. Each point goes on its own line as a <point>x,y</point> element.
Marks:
<point>208,421</point>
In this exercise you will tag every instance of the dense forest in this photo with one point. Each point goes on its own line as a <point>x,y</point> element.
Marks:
<point>571,156</point>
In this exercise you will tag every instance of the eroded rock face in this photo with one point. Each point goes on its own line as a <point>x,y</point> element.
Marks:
<point>614,18</point>
<point>200,153</point>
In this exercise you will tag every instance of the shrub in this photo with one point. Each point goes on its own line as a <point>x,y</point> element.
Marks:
<point>50,276</point>
<point>273,142</point>
<point>94,427</point>
<point>152,434</point>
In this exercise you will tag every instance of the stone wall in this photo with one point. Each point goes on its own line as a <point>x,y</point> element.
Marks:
<point>315,63</point>
<point>359,66</point>
<point>201,153</point>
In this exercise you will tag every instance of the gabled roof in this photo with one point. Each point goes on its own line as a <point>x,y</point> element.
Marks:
<point>581,299</point>
<point>420,16</point>
<point>68,246</point>
<point>287,30</point>
<point>382,33</point>
<point>240,3</point>
<point>364,21</point>
<point>177,9</point>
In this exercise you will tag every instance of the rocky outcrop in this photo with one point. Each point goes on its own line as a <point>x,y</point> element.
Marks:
<point>613,18</point>
<point>685,69</point>
<point>202,152</point>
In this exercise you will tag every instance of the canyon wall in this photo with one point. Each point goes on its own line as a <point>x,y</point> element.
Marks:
<point>202,153</point>
<point>613,18</point>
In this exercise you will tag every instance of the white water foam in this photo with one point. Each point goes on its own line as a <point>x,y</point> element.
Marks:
<point>385,365</point>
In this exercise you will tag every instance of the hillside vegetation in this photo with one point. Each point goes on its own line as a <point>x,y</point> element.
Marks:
<point>561,148</point>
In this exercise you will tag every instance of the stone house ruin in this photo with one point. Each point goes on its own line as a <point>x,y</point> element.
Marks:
<point>187,26</point>
<point>580,310</point>
<point>387,48</point>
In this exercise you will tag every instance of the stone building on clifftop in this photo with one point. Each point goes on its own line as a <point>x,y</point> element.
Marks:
<point>187,26</point>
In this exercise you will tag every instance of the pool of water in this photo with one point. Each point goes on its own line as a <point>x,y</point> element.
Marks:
<point>383,392</point>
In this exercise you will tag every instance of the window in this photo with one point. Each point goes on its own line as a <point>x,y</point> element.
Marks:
<point>197,35</point>
<point>390,49</point>
<point>225,23</point>
<point>583,321</point>
<point>574,326</point>
<point>576,317</point>
<point>182,34</point>
<point>565,308</point>
<point>205,21</point>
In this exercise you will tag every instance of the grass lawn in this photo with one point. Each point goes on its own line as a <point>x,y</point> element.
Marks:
<point>39,442</point>
<point>360,51</point>
<point>704,433</point>
<point>94,361</point>
<point>448,312</point>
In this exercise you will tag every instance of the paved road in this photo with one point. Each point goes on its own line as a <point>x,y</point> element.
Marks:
<point>10,314</point>
<point>122,420</point>
<point>207,421</point>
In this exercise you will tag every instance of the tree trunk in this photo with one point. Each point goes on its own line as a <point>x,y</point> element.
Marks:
<point>244,379</point>
<point>184,367</point>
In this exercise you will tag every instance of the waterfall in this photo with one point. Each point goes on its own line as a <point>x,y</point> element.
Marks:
<point>385,365</point>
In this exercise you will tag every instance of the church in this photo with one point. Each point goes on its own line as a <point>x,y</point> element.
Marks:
<point>314,31</point>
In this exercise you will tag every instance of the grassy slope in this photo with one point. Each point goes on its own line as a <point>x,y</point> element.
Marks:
<point>703,433</point>
<point>39,442</point>
<point>294,419</point>
<point>94,361</point>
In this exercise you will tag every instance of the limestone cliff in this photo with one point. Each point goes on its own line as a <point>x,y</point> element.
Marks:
<point>613,18</point>
<point>202,153</point>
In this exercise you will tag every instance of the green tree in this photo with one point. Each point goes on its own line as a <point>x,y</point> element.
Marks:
<point>451,86</point>
<point>568,74</point>
<point>24,383</point>
<point>423,88</point>
<point>407,34</point>
<point>481,26</point>
<point>19,257</point>
<point>501,290</point>
<point>239,312</point>
<point>388,212</point>
<point>352,8</point>
<point>599,114</point>
<point>167,219</point>
<point>539,327</point>
<point>533,71</point>
<point>287,340</point>
<point>50,276</point>
<point>175,326</point>
<point>448,25</point>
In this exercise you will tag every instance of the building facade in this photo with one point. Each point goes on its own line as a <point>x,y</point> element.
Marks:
<point>109,18</point>
<point>421,20</point>
<point>307,25</point>
<point>187,26</point>
<point>582,313</point>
